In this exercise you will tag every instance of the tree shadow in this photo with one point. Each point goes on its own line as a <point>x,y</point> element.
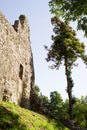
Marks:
<point>9,120</point>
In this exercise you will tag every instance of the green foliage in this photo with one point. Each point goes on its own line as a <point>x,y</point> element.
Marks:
<point>44,100</point>
<point>22,17</point>
<point>66,109</point>
<point>71,10</point>
<point>56,108</point>
<point>37,90</point>
<point>66,48</point>
<point>54,5</point>
<point>65,44</point>
<point>55,98</point>
<point>53,107</point>
<point>56,104</point>
<point>80,112</point>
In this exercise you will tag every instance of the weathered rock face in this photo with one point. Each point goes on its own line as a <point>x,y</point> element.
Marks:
<point>16,62</point>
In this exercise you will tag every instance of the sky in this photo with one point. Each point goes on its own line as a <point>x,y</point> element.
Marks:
<point>38,15</point>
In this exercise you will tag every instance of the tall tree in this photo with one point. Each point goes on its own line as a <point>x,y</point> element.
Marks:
<point>66,48</point>
<point>71,10</point>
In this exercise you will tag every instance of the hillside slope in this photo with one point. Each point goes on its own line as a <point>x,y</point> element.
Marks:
<point>13,117</point>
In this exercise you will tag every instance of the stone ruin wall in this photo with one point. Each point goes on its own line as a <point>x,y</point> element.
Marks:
<point>16,62</point>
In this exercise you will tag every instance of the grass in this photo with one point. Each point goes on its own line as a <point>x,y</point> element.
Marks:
<point>13,117</point>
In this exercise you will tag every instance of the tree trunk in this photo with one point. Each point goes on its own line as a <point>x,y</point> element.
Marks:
<point>69,90</point>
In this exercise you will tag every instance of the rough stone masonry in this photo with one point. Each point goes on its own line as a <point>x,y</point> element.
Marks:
<point>16,62</point>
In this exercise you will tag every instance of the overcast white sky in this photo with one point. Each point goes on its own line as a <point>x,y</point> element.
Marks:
<point>38,16</point>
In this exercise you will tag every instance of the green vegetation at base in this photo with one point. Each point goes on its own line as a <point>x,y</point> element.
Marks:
<point>56,108</point>
<point>13,117</point>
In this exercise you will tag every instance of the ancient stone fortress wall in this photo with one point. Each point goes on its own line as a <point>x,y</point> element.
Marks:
<point>16,62</point>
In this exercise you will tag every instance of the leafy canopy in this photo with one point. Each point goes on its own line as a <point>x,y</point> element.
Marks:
<point>71,10</point>
<point>65,45</point>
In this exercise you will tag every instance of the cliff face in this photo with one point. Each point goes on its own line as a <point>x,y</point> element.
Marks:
<point>16,62</point>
